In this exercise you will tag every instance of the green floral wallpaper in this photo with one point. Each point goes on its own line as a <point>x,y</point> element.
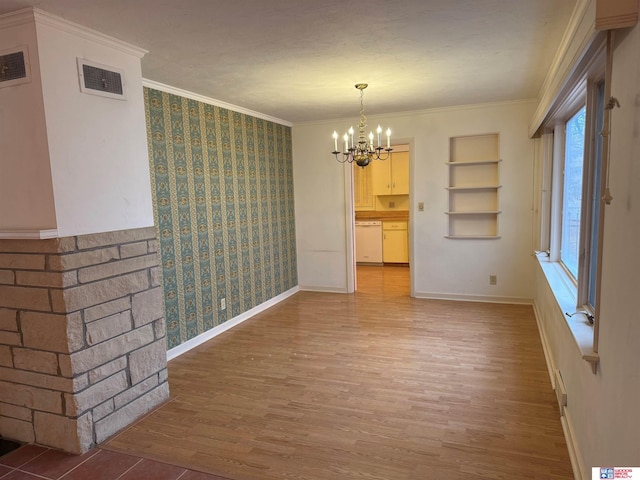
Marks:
<point>222,188</point>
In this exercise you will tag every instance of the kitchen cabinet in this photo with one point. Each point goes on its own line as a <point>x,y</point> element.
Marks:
<point>363,198</point>
<point>391,176</point>
<point>474,182</point>
<point>395,242</point>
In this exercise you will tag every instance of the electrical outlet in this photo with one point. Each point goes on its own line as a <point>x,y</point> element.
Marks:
<point>223,304</point>
<point>493,279</point>
<point>421,206</point>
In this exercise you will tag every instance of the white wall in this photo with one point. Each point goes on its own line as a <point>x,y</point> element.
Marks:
<point>442,268</point>
<point>97,145</point>
<point>602,411</point>
<point>26,194</point>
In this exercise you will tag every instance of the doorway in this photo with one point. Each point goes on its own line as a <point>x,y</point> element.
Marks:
<point>380,212</point>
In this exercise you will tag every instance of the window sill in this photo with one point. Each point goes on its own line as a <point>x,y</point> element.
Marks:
<point>565,294</point>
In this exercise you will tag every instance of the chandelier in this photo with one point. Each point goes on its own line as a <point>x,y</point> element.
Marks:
<point>362,152</point>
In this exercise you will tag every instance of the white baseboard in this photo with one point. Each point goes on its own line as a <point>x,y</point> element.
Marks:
<point>474,298</point>
<point>215,331</point>
<point>315,288</point>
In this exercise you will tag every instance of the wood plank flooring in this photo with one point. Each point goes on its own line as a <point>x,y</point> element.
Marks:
<point>374,385</point>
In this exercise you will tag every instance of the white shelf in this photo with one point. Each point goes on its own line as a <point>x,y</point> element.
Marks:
<point>476,212</point>
<point>478,162</point>
<point>473,237</point>
<point>477,187</point>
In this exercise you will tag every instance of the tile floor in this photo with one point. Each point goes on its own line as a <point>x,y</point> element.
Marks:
<point>32,463</point>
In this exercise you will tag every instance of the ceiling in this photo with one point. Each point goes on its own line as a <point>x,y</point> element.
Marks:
<point>298,60</point>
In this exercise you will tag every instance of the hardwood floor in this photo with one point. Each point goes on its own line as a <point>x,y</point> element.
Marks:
<point>374,385</point>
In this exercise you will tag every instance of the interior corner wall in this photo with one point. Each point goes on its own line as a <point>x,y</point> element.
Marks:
<point>223,201</point>
<point>441,267</point>
<point>26,194</point>
<point>97,145</point>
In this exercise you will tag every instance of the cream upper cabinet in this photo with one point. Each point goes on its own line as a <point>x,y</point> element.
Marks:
<point>391,176</point>
<point>362,188</point>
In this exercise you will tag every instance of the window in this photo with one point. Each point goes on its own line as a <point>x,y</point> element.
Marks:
<point>572,192</point>
<point>577,160</point>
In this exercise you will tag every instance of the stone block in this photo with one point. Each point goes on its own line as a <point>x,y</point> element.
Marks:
<point>64,362</point>
<point>73,435</point>
<point>136,391</point>
<point>106,309</point>
<point>13,411</point>
<point>50,245</point>
<point>156,276</point>
<point>112,424</point>
<point>35,361</point>
<point>104,352</point>
<point>154,246</point>
<point>133,249</point>
<point>116,268</point>
<point>30,397</point>
<point>148,360</point>
<point>21,261</point>
<point>103,410</point>
<point>26,298</point>
<point>163,375</point>
<point>147,306</point>
<point>108,327</point>
<point>94,395</point>
<point>6,358</point>
<point>160,328</point>
<point>115,238</point>
<point>91,294</point>
<point>8,319</point>
<point>46,279</point>
<point>41,380</point>
<point>7,277</point>
<point>52,332</point>
<point>107,370</point>
<point>77,260</point>
<point>18,430</point>
<point>10,338</point>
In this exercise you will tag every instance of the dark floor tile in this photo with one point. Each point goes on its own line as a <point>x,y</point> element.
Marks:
<point>18,475</point>
<point>22,455</point>
<point>150,470</point>
<point>54,464</point>
<point>193,475</point>
<point>4,470</point>
<point>104,465</point>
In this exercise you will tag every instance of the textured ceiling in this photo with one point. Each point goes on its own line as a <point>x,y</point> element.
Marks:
<point>298,60</point>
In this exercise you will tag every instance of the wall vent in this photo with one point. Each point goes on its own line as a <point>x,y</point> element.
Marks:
<point>14,67</point>
<point>97,79</point>
<point>561,391</point>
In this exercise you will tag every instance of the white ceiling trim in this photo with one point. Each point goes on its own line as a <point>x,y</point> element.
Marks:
<point>211,101</point>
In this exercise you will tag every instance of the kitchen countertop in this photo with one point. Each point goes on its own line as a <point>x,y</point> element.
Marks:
<point>398,215</point>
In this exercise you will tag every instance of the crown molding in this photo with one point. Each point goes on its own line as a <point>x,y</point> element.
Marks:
<point>211,101</point>
<point>37,16</point>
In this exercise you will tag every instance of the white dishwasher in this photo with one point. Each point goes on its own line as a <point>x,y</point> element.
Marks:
<point>369,241</point>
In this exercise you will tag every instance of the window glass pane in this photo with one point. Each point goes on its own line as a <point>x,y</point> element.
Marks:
<point>597,194</point>
<point>572,191</point>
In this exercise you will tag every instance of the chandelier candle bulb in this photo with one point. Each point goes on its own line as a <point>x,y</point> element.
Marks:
<point>371,139</point>
<point>346,143</point>
<point>378,131</point>
<point>335,141</point>
<point>351,135</point>
<point>388,138</point>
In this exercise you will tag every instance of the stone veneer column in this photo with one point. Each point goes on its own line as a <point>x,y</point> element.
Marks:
<point>82,337</point>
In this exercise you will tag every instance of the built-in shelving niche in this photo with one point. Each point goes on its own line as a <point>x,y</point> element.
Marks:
<point>474,185</point>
